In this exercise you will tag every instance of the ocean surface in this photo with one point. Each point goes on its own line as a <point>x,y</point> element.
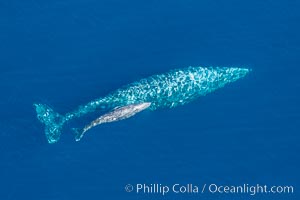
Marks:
<point>65,53</point>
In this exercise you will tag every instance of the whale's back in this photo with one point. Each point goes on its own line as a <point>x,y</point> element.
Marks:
<point>178,87</point>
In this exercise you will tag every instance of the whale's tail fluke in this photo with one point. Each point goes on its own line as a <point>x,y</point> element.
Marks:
<point>52,120</point>
<point>78,133</point>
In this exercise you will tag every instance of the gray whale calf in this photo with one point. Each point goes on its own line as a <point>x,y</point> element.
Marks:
<point>117,114</point>
<point>168,90</point>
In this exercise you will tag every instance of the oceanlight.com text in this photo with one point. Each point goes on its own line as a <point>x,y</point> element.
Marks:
<point>212,188</point>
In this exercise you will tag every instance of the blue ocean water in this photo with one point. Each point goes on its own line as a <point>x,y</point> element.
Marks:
<point>66,53</point>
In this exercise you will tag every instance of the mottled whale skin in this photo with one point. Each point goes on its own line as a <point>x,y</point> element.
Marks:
<point>168,90</point>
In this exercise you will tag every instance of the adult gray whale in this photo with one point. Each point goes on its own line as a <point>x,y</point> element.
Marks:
<point>176,87</point>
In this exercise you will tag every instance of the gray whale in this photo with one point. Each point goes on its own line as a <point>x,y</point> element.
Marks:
<point>168,90</point>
